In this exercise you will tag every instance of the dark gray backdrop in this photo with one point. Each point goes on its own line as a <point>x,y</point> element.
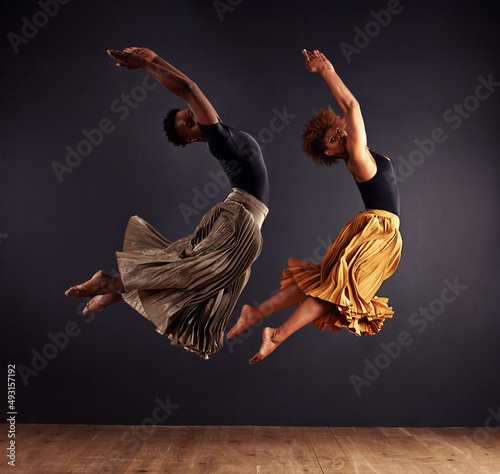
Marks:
<point>419,76</point>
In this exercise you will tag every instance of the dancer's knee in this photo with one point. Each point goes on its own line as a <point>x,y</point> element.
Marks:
<point>321,306</point>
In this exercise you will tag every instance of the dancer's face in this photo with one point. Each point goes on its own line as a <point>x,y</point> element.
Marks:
<point>187,126</point>
<point>335,142</point>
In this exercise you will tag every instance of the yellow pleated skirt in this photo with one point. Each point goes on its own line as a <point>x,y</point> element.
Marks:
<point>189,288</point>
<point>366,252</point>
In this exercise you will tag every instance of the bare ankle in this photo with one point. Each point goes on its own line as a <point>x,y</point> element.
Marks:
<point>261,312</point>
<point>116,285</point>
<point>277,336</point>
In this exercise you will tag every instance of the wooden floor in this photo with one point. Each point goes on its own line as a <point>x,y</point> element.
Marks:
<point>58,449</point>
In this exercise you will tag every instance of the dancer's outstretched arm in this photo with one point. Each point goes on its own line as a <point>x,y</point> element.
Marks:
<point>171,78</point>
<point>360,164</point>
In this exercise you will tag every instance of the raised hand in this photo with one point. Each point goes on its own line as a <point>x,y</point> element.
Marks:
<point>145,53</point>
<point>129,60</point>
<point>317,62</point>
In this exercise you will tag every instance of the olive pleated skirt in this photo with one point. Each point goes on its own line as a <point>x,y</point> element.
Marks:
<point>366,252</point>
<point>189,288</point>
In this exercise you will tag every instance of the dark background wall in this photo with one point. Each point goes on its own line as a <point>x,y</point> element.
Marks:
<point>420,81</point>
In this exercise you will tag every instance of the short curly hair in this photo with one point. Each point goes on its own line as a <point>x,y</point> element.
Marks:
<point>313,144</point>
<point>169,128</point>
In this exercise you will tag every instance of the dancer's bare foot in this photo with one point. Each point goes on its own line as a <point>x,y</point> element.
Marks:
<point>101,301</point>
<point>269,343</point>
<point>99,284</point>
<point>249,315</point>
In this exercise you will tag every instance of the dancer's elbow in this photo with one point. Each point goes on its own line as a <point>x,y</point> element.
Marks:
<point>188,89</point>
<point>351,104</point>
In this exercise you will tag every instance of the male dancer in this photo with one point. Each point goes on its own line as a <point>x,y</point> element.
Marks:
<point>188,288</point>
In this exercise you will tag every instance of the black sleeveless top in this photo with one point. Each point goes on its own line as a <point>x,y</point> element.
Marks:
<point>241,158</point>
<point>381,191</point>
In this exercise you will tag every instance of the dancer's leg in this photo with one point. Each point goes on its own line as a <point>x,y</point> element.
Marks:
<point>308,311</point>
<point>288,296</point>
<point>99,284</point>
<point>102,301</point>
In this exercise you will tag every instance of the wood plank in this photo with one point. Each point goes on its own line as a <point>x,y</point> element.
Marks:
<point>150,456</point>
<point>49,439</point>
<point>184,446</point>
<point>240,451</point>
<point>369,449</point>
<point>284,450</point>
<point>269,454</point>
<point>408,446</point>
<point>299,451</point>
<point>488,441</point>
<point>443,453</point>
<point>26,437</point>
<point>210,456</point>
<point>115,447</point>
<point>65,455</point>
<point>480,449</point>
<point>251,449</point>
<point>329,454</point>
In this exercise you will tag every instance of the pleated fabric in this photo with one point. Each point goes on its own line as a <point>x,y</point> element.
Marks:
<point>366,252</point>
<point>189,288</point>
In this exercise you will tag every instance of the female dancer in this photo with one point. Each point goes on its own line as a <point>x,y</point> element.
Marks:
<point>188,288</point>
<point>340,290</point>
